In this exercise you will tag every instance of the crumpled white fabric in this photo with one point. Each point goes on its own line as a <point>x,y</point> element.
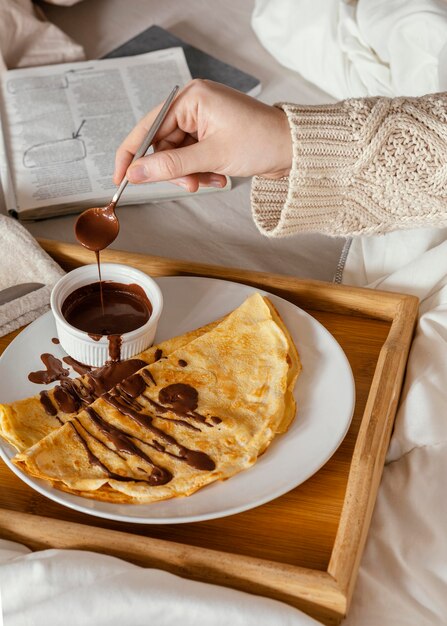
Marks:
<point>23,261</point>
<point>358,48</point>
<point>26,38</point>
<point>403,574</point>
<point>77,588</point>
<point>413,262</point>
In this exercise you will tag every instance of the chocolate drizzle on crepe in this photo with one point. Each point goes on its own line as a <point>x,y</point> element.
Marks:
<point>182,400</point>
<point>123,387</point>
<point>194,458</point>
<point>123,399</point>
<point>49,407</point>
<point>159,476</point>
<point>135,386</point>
<point>72,394</point>
<point>109,375</point>
<point>123,443</point>
<point>132,386</point>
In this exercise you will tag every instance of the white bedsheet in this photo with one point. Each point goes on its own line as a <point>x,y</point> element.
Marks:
<point>356,48</point>
<point>77,588</point>
<point>403,576</point>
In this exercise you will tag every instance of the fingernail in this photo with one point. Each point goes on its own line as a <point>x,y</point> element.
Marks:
<point>183,182</point>
<point>137,174</point>
<point>215,180</point>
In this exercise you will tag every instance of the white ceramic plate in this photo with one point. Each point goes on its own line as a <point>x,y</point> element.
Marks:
<point>325,396</point>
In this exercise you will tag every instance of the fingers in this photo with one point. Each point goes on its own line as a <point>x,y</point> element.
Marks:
<point>194,181</point>
<point>172,164</point>
<point>191,182</point>
<point>181,117</point>
<point>211,179</point>
<point>134,139</point>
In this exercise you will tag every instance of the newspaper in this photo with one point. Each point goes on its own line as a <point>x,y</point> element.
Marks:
<point>61,126</point>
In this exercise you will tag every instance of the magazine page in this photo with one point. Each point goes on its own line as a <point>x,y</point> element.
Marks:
<point>63,123</point>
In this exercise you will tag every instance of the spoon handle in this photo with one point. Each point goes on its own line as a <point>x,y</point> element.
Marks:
<point>147,140</point>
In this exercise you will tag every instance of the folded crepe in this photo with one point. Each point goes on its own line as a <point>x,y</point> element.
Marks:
<point>24,422</point>
<point>202,413</point>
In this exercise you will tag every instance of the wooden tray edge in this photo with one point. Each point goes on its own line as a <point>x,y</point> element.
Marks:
<point>371,447</point>
<point>320,295</point>
<point>288,583</point>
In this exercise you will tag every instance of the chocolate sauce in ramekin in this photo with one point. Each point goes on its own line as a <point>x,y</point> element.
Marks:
<point>124,308</point>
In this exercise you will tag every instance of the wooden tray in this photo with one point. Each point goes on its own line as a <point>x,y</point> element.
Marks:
<point>303,548</point>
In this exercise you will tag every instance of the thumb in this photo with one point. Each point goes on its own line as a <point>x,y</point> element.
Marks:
<point>169,164</point>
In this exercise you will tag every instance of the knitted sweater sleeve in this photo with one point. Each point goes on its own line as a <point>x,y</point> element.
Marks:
<point>360,167</point>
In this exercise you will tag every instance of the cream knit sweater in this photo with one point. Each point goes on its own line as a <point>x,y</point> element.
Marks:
<point>360,167</point>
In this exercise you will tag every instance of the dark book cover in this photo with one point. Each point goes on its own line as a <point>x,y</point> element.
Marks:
<point>201,64</point>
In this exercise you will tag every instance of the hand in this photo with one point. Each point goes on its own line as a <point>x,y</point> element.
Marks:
<point>210,131</point>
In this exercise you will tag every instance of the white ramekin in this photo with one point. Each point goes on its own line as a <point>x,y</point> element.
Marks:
<point>77,343</point>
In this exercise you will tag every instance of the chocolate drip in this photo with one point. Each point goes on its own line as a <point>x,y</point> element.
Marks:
<point>132,386</point>
<point>94,460</point>
<point>146,374</point>
<point>194,458</point>
<point>49,407</point>
<point>78,367</point>
<point>158,407</point>
<point>104,378</point>
<point>101,290</point>
<point>182,363</point>
<point>179,422</point>
<point>71,394</point>
<point>158,354</point>
<point>105,308</point>
<point>67,398</point>
<point>78,390</point>
<point>200,418</point>
<point>216,419</point>
<point>162,409</point>
<point>180,412</point>
<point>183,398</point>
<point>54,370</point>
<point>115,342</point>
<point>122,442</point>
<point>55,340</point>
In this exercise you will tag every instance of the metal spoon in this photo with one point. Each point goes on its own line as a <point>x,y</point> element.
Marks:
<point>98,227</point>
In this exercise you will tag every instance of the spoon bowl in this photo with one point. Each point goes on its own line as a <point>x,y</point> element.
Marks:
<point>98,227</point>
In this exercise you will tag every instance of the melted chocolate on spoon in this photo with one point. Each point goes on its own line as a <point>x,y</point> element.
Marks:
<point>96,229</point>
